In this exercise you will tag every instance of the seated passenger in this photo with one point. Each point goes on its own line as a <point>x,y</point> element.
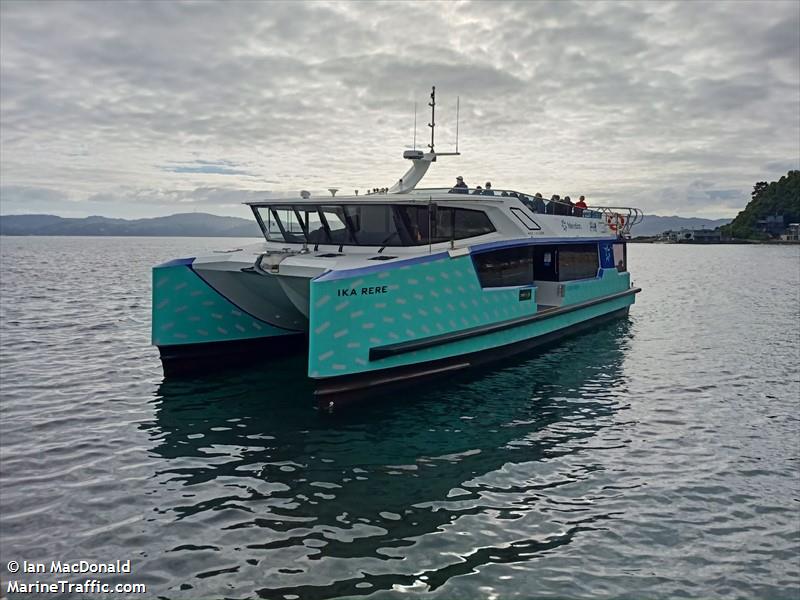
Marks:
<point>478,191</point>
<point>460,187</point>
<point>488,191</point>
<point>504,193</point>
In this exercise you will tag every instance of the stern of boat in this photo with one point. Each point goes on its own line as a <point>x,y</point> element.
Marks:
<point>210,311</point>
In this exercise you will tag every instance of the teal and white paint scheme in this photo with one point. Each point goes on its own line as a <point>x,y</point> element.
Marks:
<point>396,286</point>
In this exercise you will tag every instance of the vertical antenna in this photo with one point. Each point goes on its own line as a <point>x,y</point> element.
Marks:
<point>432,124</point>
<point>458,105</point>
<point>415,125</point>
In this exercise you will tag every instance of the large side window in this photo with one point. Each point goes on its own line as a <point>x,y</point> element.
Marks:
<point>471,223</point>
<point>578,261</point>
<point>373,225</point>
<point>565,262</point>
<point>413,225</point>
<point>505,267</point>
<point>459,223</point>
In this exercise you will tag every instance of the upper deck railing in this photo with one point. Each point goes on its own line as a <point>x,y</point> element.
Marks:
<point>619,218</point>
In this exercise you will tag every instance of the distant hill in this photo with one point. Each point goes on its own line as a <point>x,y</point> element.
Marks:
<point>655,225</point>
<point>180,225</point>
<point>205,225</point>
<point>780,197</point>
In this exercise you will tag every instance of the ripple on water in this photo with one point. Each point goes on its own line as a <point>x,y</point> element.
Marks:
<point>654,457</point>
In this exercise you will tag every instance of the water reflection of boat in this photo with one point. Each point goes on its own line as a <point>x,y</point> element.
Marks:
<point>361,484</point>
<point>265,409</point>
<point>388,288</point>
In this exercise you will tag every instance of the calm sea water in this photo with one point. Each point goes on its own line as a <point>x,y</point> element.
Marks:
<point>655,457</point>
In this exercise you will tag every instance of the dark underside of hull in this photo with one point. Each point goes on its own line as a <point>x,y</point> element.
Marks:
<point>194,359</point>
<point>342,390</point>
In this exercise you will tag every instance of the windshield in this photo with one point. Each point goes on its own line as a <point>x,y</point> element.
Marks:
<point>370,224</point>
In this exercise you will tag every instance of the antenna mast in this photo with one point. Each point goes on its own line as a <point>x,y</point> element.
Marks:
<point>415,125</point>
<point>432,124</point>
<point>458,106</point>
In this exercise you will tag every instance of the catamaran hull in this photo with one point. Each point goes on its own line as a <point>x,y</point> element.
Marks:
<point>194,359</point>
<point>337,392</point>
<point>215,314</point>
<point>431,317</point>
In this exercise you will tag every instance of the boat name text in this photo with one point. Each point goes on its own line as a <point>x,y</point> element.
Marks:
<point>364,291</point>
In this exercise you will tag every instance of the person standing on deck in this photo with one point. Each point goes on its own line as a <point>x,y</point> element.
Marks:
<point>487,190</point>
<point>538,203</point>
<point>568,206</point>
<point>460,187</point>
<point>580,206</point>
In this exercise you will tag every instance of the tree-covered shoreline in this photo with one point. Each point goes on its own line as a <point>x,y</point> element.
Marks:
<point>780,197</point>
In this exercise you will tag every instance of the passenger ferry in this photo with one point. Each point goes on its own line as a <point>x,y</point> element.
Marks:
<point>397,286</point>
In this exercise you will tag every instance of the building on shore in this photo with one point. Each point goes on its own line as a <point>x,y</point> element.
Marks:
<point>773,225</point>
<point>792,233</point>
<point>693,236</point>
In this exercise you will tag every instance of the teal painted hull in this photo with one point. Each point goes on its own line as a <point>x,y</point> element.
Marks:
<point>353,315</point>
<point>191,320</point>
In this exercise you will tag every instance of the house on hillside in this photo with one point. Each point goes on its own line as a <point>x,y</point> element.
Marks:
<point>771,225</point>
<point>792,233</point>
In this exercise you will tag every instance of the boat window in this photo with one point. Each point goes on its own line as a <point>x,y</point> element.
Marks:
<point>565,262</point>
<point>384,225</point>
<point>280,224</point>
<point>333,223</point>
<point>505,267</point>
<point>529,223</point>
<point>577,261</point>
<point>459,223</point>
<point>371,224</point>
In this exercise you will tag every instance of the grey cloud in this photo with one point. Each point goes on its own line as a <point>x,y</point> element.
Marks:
<point>634,97</point>
<point>781,167</point>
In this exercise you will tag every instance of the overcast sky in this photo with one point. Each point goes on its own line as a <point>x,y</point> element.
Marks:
<point>143,109</point>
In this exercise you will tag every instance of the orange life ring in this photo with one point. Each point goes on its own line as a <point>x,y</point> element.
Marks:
<point>615,221</point>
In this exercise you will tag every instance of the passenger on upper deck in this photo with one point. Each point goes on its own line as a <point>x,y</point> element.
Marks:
<point>488,191</point>
<point>568,206</point>
<point>478,191</point>
<point>579,207</point>
<point>460,187</point>
<point>538,203</point>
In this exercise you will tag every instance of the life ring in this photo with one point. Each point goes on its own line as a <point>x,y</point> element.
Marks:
<point>615,221</point>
